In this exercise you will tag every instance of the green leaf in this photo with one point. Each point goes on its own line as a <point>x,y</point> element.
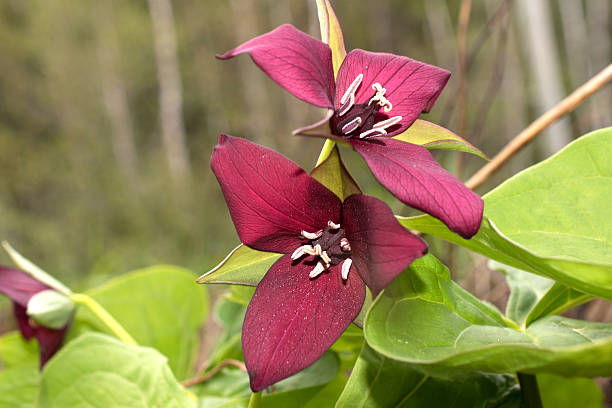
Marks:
<point>96,370</point>
<point>432,136</point>
<point>321,372</point>
<point>425,318</point>
<point>533,296</point>
<point>161,307</point>
<point>242,266</point>
<point>557,300</point>
<point>228,385</point>
<point>16,351</point>
<point>551,219</point>
<point>562,392</point>
<point>377,381</point>
<point>19,386</point>
<point>333,174</point>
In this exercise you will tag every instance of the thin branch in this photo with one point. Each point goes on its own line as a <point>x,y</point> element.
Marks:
<point>203,378</point>
<point>564,107</point>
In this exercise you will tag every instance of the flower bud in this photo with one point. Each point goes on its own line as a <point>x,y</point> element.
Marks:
<point>50,309</point>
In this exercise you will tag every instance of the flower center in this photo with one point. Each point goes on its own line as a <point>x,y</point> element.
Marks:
<point>363,120</point>
<point>329,246</point>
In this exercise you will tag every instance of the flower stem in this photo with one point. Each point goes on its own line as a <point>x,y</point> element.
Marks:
<point>104,316</point>
<point>327,148</point>
<point>254,401</point>
<point>529,390</point>
<point>522,139</point>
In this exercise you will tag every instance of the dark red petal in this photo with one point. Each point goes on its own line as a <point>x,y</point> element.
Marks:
<point>413,176</point>
<point>270,198</point>
<point>18,285</point>
<point>381,247</point>
<point>49,340</point>
<point>293,319</point>
<point>412,86</point>
<point>296,61</point>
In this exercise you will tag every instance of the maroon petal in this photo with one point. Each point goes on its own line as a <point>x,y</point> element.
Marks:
<point>380,247</point>
<point>293,319</point>
<point>49,340</point>
<point>296,61</point>
<point>270,198</point>
<point>18,285</point>
<point>413,176</point>
<point>412,86</point>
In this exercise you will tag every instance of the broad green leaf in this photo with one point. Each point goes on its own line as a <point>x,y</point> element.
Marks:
<point>331,33</point>
<point>230,387</point>
<point>557,300</point>
<point>242,266</point>
<point>16,351</point>
<point>96,370</point>
<point>161,307</point>
<point>563,392</point>
<point>240,294</point>
<point>377,381</point>
<point>425,318</point>
<point>333,174</point>
<point>19,386</point>
<point>533,296</point>
<point>551,219</point>
<point>432,136</point>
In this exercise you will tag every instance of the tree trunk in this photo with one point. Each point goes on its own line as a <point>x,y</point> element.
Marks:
<point>170,91</point>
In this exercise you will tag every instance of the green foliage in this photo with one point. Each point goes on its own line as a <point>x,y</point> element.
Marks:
<point>425,318</point>
<point>432,136</point>
<point>563,392</point>
<point>242,266</point>
<point>160,307</point>
<point>15,350</point>
<point>377,381</point>
<point>96,370</point>
<point>19,386</point>
<point>559,222</point>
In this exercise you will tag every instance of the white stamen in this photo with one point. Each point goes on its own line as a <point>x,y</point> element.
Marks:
<point>383,124</point>
<point>317,250</point>
<point>333,225</point>
<point>311,235</point>
<point>348,99</point>
<point>298,253</point>
<point>317,270</point>
<point>325,258</point>
<point>380,127</point>
<point>346,267</point>
<point>351,126</point>
<point>380,97</point>
<point>344,245</point>
<point>370,132</point>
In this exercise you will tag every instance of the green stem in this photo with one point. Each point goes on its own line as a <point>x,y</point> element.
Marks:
<point>254,401</point>
<point>529,390</point>
<point>104,316</point>
<point>327,148</point>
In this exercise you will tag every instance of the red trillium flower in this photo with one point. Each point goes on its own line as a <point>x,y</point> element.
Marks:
<point>375,97</point>
<point>332,250</point>
<point>20,288</point>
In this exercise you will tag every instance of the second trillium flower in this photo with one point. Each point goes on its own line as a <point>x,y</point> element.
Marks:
<point>332,250</point>
<point>375,97</point>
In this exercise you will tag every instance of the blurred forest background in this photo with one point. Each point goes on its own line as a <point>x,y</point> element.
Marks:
<point>109,111</point>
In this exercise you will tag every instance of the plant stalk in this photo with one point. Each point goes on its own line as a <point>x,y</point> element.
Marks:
<point>529,390</point>
<point>254,401</point>
<point>564,107</point>
<point>104,316</point>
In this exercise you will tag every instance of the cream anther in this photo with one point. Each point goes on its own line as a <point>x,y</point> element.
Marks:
<point>346,267</point>
<point>318,269</point>
<point>348,99</point>
<point>311,235</point>
<point>333,225</point>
